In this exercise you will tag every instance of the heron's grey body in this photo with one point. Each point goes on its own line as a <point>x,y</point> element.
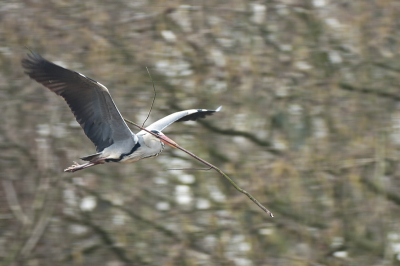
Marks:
<point>147,146</point>
<point>96,112</point>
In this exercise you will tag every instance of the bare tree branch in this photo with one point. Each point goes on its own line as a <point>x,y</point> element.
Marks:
<point>247,135</point>
<point>382,94</point>
<point>44,220</point>
<point>132,214</point>
<point>38,230</point>
<point>154,98</point>
<point>108,240</point>
<point>13,202</point>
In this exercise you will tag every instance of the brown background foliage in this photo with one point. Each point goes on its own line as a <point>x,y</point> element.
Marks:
<point>310,126</point>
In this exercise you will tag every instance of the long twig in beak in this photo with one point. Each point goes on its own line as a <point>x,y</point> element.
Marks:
<point>208,164</point>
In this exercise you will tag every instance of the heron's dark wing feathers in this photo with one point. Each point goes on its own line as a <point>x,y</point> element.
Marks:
<point>89,100</point>
<point>201,113</point>
<point>186,115</point>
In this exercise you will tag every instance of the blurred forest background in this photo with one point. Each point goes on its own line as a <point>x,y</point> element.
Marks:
<point>310,126</point>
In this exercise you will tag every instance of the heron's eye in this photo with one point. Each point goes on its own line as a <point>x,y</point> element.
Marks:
<point>156,132</point>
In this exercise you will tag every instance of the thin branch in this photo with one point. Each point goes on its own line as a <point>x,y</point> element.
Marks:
<point>154,98</point>
<point>29,49</point>
<point>38,231</point>
<point>84,250</point>
<point>247,135</point>
<point>375,92</point>
<point>167,232</point>
<point>385,66</point>
<point>13,202</point>
<point>210,165</point>
<point>232,132</point>
<point>132,214</point>
<point>192,169</point>
<point>43,222</point>
<point>107,240</point>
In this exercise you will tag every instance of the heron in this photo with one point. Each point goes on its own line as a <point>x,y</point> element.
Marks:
<point>99,117</point>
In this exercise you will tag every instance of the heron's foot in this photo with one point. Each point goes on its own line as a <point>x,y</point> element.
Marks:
<point>73,167</point>
<point>76,167</point>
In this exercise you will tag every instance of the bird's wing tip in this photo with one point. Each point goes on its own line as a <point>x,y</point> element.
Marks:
<point>31,52</point>
<point>31,58</point>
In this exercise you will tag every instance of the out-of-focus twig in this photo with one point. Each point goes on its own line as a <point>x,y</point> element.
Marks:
<point>382,94</point>
<point>38,231</point>
<point>41,225</point>
<point>132,214</point>
<point>13,202</point>
<point>159,227</point>
<point>191,169</point>
<point>154,98</point>
<point>247,135</point>
<point>209,165</point>
<point>108,240</point>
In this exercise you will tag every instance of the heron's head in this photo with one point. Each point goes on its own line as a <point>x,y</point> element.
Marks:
<point>164,138</point>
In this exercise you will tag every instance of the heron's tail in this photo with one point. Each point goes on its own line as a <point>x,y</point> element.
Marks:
<point>91,157</point>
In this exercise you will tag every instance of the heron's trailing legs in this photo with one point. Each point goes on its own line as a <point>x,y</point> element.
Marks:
<point>76,166</point>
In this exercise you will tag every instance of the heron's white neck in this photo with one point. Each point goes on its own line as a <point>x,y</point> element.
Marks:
<point>152,146</point>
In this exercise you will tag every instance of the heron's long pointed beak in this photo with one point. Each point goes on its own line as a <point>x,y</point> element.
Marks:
<point>165,139</point>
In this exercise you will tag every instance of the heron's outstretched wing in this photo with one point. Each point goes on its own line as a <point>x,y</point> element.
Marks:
<point>90,101</point>
<point>186,115</point>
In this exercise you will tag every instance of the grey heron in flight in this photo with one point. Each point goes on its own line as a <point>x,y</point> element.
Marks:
<point>96,112</point>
